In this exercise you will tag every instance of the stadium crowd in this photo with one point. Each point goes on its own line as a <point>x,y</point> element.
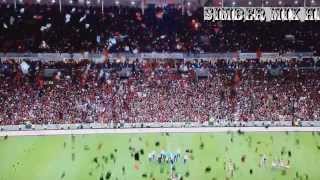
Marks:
<point>43,28</point>
<point>152,91</point>
<point>159,91</point>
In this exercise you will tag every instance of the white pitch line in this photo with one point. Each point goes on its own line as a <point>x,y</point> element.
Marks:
<point>157,130</point>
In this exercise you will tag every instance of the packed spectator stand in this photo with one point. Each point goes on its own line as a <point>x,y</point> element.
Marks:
<point>159,91</point>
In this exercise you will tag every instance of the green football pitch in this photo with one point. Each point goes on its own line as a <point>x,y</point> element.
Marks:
<point>218,156</point>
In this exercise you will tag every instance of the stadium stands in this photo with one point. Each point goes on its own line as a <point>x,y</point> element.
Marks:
<point>159,91</point>
<point>43,28</point>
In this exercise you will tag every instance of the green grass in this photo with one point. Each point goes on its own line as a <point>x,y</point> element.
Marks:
<point>72,158</point>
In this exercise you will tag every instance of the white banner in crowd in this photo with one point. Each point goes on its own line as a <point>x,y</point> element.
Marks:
<point>24,67</point>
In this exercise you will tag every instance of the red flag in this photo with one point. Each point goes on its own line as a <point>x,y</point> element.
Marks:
<point>258,53</point>
<point>83,79</point>
<point>105,54</point>
<point>40,81</point>
<point>236,79</point>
